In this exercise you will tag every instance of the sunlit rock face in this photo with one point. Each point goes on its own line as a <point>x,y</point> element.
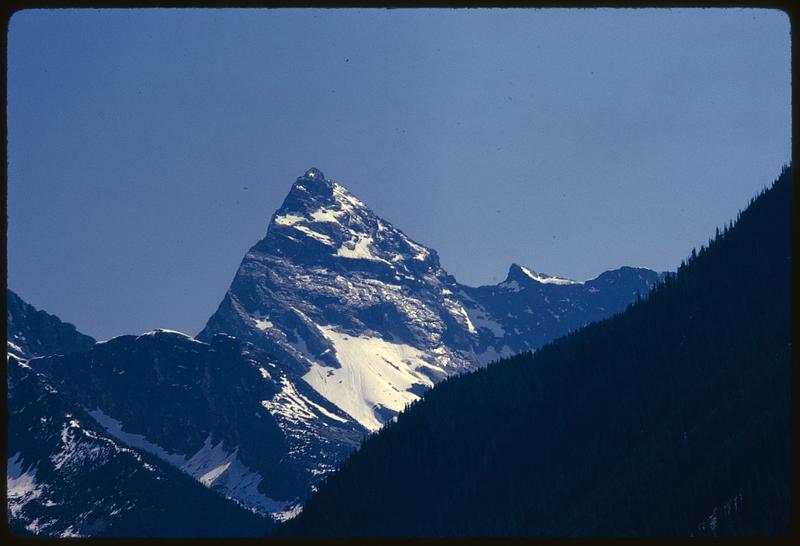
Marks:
<point>348,305</point>
<point>354,311</point>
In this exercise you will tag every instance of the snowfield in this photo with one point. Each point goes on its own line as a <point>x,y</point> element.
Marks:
<point>374,374</point>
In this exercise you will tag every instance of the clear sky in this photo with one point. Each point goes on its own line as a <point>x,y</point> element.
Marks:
<point>148,148</point>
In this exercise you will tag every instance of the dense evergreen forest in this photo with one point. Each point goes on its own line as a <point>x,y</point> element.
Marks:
<point>672,418</point>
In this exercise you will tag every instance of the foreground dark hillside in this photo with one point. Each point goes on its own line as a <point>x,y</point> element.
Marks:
<point>672,418</point>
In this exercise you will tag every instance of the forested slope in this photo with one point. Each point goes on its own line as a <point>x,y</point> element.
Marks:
<point>671,418</point>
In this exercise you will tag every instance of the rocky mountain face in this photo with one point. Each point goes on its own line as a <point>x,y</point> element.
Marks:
<point>334,322</point>
<point>67,476</point>
<point>36,333</point>
<point>348,305</point>
<point>197,406</point>
<point>70,471</point>
<point>529,309</point>
<point>351,307</point>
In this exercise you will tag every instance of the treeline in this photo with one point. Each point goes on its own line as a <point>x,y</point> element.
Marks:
<point>669,419</point>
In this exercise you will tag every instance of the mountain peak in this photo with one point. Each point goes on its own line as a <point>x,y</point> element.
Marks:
<point>520,273</point>
<point>516,270</point>
<point>320,219</point>
<point>313,177</point>
<point>311,191</point>
<point>314,173</point>
<point>313,183</point>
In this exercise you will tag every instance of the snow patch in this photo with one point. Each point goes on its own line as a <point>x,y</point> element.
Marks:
<point>360,250</point>
<point>214,467</point>
<point>70,533</point>
<point>114,428</point>
<point>263,325</point>
<point>170,332</point>
<point>288,219</point>
<point>374,374</point>
<point>546,279</point>
<point>315,235</point>
<point>16,349</point>
<point>480,318</point>
<point>295,407</point>
<point>261,321</point>
<point>286,515</point>
<point>210,465</point>
<point>22,486</point>
<point>458,310</point>
<point>346,200</point>
<point>325,215</point>
<point>421,253</point>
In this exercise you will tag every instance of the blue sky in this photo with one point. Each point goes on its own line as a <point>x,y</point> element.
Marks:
<point>148,148</point>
